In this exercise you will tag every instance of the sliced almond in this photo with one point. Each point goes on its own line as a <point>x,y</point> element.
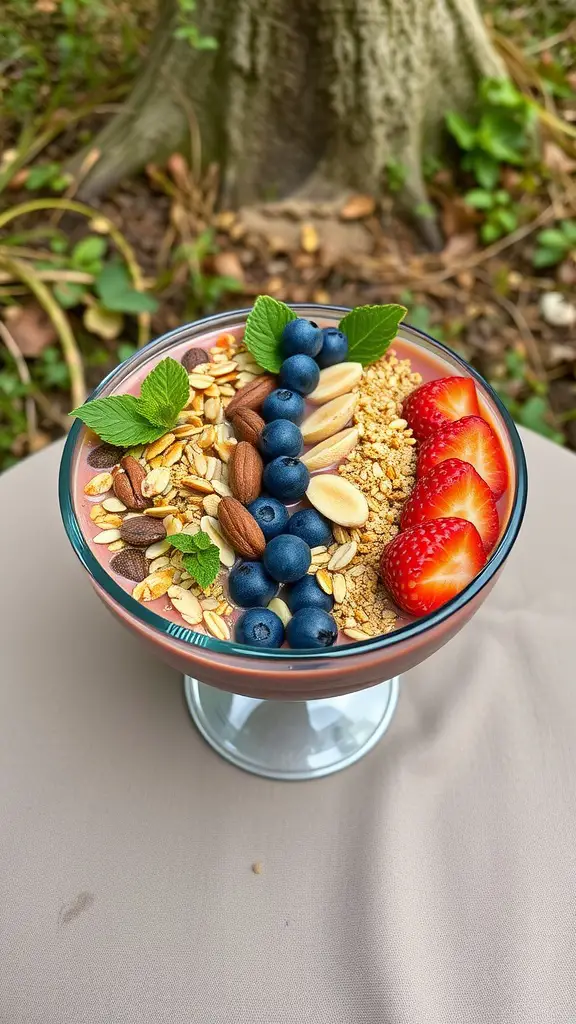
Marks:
<point>209,604</point>
<point>341,536</point>
<point>113,521</point>
<point>106,537</point>
<point>96,512</point>
<point>157,447</point>
<point>99,484</point>
<point>357,634</point>
<point>220,369</point>
<point>328,419</point>
<point>200,463</point>
<point>196,483</point>
<point>332,451</point>
<point>155,482</point>
<point>207,437</point>
<point>159,511</point>
<point>173,454</point>
<point>338,499</point>
<point>212,408</point>
<point>210,504</point>
<point>113,505</point>
<point>216,625</point>
<point>335,381</point>
<point>154,586</point>
<point>116,545</point>
<point>160,547</point>
<point>200,381</point>
<point>211,527</point>
<point>221,489</point>
<point>343,556</point>
<point>339,588</point>
<point>324,580</point>
<point>186,603</point>
<point>173,525</point>
<point>225,449</point>
<point>281,609</point>
<point>159,563</point>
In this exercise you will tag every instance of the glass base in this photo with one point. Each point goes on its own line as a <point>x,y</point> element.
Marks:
<point>292,740</point>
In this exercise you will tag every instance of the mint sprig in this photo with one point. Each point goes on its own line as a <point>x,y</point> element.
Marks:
<point>125,420</point>
<point>370,331</point>
<point>264,326</point>
<point>201,557</point>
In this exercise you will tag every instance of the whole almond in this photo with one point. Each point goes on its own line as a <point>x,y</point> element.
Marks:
<point>104,456</point>
<point>248,425</point>
<point>131,564</point>
<point>245,469</point>
<point>127,484</point>
<point>240,528</point>
<point>252,394</point>
<point>194,357</point>
<point>141,531</point>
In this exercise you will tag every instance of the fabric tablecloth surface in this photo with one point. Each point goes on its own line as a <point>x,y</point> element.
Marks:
<point>433,882</point>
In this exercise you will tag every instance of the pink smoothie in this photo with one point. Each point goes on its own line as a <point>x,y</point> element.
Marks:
<point>427,364</point>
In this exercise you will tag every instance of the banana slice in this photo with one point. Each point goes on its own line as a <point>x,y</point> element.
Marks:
<point>337,499</point>
<point>328,419</point>
<point>332,450</point>
<point>335,381</point>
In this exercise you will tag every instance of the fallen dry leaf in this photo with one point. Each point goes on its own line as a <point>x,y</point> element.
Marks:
<point>103,322</point>
<point>457,218</point>
<point>458,246</point>
<point>309,239</point>
<point>357,207</point>
<point>227,264</point>
<point>556,159</point>
<point>31,329</point>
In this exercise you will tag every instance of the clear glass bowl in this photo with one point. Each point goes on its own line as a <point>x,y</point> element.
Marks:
<point>242,699</point>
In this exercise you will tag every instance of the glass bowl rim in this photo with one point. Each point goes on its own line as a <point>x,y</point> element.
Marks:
<point>197,640</point>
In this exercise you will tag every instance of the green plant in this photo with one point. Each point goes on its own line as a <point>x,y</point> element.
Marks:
<point>555,244</point>
<point>205,289</point>
<point>47,176</point>
<point>396,174</point>
<point>188,30</point>
<point>526,397</point>
<point>501,133</point>
<point>501,213</point>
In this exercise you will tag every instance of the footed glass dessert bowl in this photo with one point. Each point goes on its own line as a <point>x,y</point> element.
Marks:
<point>131,511</point>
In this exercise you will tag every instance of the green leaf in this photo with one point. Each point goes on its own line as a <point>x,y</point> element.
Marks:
<point>507,219</point>
<point>264,327</point>
<point>569,230</point>
<point>479,199</point>
<point>118,420</point>
<point>552,238</point>
<point>486,169</point>
<point>461,129</point>
<point>186,541</point>
<point>202,541</point>
<point>501,92</point>
<point>114,288</point>
<point>164,392</point>
<point>490,232</point>
<point>370,330</point>
<point>88,251</point>
<point>69,294</point>
<point>547,257</point>
<point>533,414</point>
<point>203,566</point>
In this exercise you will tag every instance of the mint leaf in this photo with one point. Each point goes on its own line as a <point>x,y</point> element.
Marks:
<point>204,566</point>
<point>184,542</point>
<point>202,541</point>
<point>264,326</point>
<point>164,392</point>
<point>370,329</point>
<point>118,420</point>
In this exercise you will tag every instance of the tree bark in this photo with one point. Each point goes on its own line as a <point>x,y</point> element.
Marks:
<point>307,97</point>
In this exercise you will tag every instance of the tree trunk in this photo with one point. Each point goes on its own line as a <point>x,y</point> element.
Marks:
<point>306,97</point>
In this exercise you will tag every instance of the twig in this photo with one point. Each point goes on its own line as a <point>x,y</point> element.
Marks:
<point>26,380</point>
<point>517,316</point>
<point>492,250</point>
<point>22,270</point>
<point>547,44</point>
<point>70,276</point>
<point>123,246</point>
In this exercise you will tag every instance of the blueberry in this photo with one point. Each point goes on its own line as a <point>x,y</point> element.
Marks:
<point>271,515</point>
<point>334,347</point>
<point>286,558</point>
<point>301,336</point>
<point>311,526</point>
<point>311,627</point>
<point>260,627</point>
<point>283,404</point>
<point>250,585</point>
<point>286,479</point>
<point>307,594</point>
<point>300,373</point>
<point>280,437</point>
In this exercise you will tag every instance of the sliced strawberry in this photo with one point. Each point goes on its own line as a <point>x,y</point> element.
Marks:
<point>428,564</point>
<point>472,440</point>
<point>433,405</point>
<point>453,488</point>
